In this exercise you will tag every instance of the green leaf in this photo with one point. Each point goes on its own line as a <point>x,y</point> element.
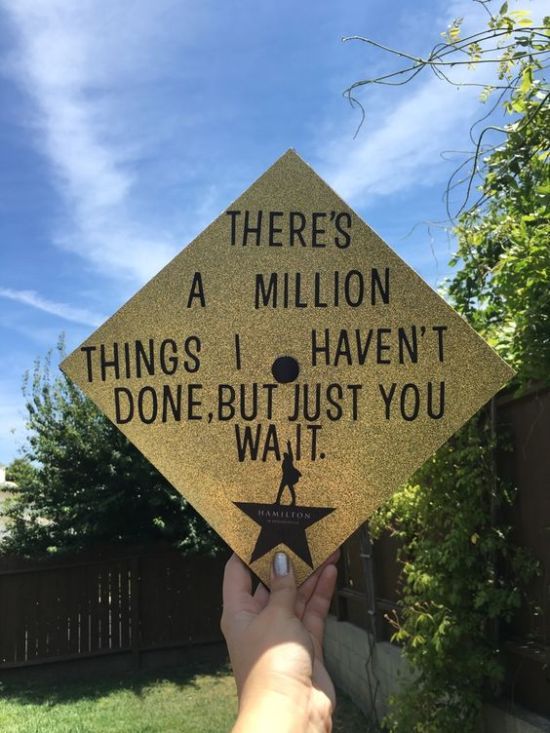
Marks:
<point>526,79</point>
<point>522,18</point>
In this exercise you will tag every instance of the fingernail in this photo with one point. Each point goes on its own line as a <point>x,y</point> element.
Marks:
<point>280,564</point>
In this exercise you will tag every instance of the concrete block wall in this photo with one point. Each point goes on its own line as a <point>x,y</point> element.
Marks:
<point>370,672</point>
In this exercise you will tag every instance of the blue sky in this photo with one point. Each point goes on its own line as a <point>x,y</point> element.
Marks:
<point>126,126</point>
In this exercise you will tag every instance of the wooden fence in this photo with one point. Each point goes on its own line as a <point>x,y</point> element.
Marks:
<point>114,601</point>
<point>369,573</point>
<point>141,599</point>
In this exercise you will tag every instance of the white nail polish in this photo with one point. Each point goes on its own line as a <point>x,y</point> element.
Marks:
<point>280,564</point>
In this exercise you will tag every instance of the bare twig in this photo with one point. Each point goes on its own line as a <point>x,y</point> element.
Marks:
<point>441,59</point>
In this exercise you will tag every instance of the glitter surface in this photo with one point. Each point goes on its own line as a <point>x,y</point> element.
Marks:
<point>387,374</point>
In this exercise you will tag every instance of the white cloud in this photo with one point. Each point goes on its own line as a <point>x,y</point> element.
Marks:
<point>404,149</point>
<point>77,60</point>
<point>67,312</point>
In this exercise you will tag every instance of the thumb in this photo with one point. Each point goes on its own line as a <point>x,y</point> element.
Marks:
<point>283,584</point>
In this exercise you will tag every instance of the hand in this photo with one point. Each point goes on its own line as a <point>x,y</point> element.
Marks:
<point>275,645</point>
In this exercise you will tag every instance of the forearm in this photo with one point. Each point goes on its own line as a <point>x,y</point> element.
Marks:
<point>273,712</point>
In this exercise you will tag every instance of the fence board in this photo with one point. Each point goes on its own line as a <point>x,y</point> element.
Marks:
<point>111,601</point>
<point>523,424</point>
<point>74,611</point>
<point>125,639</point>
<point>115,606</point>
<point>84,641</point>
<point>9,614</point>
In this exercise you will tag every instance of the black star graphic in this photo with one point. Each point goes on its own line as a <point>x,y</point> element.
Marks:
<point>283,524</point>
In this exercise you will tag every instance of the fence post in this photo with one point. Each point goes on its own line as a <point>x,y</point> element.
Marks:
<point>136,609</point>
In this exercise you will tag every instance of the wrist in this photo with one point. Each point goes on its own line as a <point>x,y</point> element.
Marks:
<point>271,712</point>
<point>276,704</point>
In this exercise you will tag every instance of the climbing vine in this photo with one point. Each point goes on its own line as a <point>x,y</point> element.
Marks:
<point>461,571</point>
<point>452,594</point>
